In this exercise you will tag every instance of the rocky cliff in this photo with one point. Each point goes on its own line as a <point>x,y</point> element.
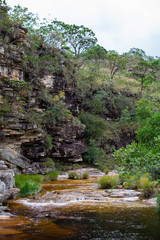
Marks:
<point>23,145</point>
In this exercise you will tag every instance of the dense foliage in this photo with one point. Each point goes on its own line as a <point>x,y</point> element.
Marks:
<point>145,154</point>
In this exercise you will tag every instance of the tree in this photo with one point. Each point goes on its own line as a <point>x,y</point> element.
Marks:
<point>77,38</point>
<point>24,18</point>
<point>145,72</point>
<point>138,54</point>
<point>115,63</point>
<point>5,23</point>
<point>96,54</point>
<point>134,56</point>
<point>2,2</point>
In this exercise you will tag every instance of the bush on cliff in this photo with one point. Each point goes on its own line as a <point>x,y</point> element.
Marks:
<point>49,163</point>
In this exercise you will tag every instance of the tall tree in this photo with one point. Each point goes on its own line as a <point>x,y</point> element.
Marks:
<point>115,63</point>
<point>25,18</point>
<point>77,38</point>
<point>96,53</point>
<point>145,72</point>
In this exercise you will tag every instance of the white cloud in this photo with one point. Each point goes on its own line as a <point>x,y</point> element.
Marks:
<point>118,24</point>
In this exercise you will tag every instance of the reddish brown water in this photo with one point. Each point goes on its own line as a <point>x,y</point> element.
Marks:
<point>77,209</point>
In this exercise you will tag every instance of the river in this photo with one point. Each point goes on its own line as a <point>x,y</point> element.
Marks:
<point>77,210</point>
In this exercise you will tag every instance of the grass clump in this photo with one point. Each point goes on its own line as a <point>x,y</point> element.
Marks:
<point>73,175</point>
<point>28,184</point>
<point>106,170</point>
<point>147,187</point>
<point>108,182</point>
<point>52,176</point>
<point>49,163</point>
<point>85,175</point>
<point>131,182</point>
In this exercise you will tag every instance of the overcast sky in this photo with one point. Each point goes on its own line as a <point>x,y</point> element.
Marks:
<point>118,24</point>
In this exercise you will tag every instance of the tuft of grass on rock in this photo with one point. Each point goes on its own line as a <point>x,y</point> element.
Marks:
<point>85,175</point>
<point>107,182</point>
<point>28,184</point>
<point>73,175</point>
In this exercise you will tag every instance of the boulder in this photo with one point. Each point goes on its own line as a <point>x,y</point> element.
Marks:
<point>7,177</point>
<point>15,158</point>
<point>2,187</point>
<point>7,182</point>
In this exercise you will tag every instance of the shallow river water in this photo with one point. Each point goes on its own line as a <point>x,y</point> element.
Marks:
<point>77,210</point>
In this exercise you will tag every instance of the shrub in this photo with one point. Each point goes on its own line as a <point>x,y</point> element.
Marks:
<point>29,188</point>
<point>73,175</point>
<point>52,176</point>
<point>95,125</point>
<point>141,182</point>
<point>85,175</point>
<point>49,163</point>
<point>144,155</point>
<point>48,141</point>
<point>131,182</point>
<point>28,184</point>
<point>148,187</point>
<point>109,181</point>
<point>94,153</point>
<point>106,170</point>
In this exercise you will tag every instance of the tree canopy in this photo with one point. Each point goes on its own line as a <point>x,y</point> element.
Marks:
<point>77,38</point>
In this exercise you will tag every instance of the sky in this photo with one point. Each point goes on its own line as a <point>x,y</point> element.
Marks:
<point>118,24</point>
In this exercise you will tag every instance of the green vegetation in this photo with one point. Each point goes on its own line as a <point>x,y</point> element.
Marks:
<point>108,182</point>
<point>144,155</point>
<point>52,176</point>
<point>85,175</point>
<point>94,153</point>
<point>73,175</point>
<point>48,141</point>
<point>141,181</point>
<point>32,184</point>
<point>49,163</point>
<point>28,184</point>
<point>95,126</point>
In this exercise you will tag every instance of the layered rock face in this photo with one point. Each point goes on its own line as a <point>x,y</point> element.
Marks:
<point>22,142</point>
<point>67,141</point>
<point>17,133</point>
<point>11,55</point>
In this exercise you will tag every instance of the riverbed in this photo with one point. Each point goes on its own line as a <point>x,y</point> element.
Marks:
<point>78,209</point>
